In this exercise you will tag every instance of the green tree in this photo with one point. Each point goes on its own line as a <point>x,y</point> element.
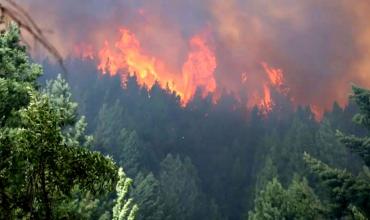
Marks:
<point>331,151</point>
<point>345,189</point>
<point>296,202</point>
<point>60,98</point>
<point>270,202</point>
<point>109,126</point>
<point>17,76</point>
<point>266,174</point>
<point>39,164</point>
<point>299,138</point>
<point>179,187</point>
<point>147,194</point>
<point>85,205</point>
<point>130,155</point>
<point>125,208</point>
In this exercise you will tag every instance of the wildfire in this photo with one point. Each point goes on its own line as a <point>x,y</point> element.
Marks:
<point>274,79</point>
<point>199,69</point>
<point>275,75</point>
<point>221,48</point>
<point>317,112</point>
<point>127,54</point>
<point>127,57</point>
<point>266,102</point>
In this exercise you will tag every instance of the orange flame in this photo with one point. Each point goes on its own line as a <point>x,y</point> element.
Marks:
<point>198,69</point>
<point>266,103</point>
<point>127,57</point>
<point>127,53</point>
<point>275,75</point>
<point>317,112</point>
<point>275,79</point>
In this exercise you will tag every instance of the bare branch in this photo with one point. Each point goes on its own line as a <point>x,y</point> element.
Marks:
<point>13,11</point>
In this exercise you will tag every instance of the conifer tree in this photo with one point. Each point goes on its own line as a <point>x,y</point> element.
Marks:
<point>125,208</point>
<point>130,155</point>
<point>60,98</point>
<point>39,165</point>
<point>109,126</point>
<point>179,185</point>
<point>147,194</point>
<point>345,189</point>
<point>296,202</point>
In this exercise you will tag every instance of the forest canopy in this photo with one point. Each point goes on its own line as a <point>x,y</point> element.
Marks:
<point>88,147</point>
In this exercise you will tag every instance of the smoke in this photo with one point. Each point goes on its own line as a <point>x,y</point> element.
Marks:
<point>321,46</point>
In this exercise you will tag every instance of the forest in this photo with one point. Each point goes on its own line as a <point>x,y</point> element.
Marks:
<point>81,146</point>
<point>190,111</point>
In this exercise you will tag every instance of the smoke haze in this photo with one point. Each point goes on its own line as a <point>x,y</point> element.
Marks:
<point>321,47</point>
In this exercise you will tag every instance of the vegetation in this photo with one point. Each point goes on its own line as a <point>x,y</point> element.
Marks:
<point>348,193</point>
<point>211,161</point>
<point>296,202</point>
<point>202,161</point>
<point>43,148</point>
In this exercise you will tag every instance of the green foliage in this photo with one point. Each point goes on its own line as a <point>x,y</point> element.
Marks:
<point>330,149</point>
<point>108,128</point>
<point>269,204</point>
<point>147,194</point>
<point>266,174</point>
<point>131,153</point>
<point>357,215</point>
<point>125,208</point>
<point>362,98</point>
<point>60,98</point>
<point>179,184</point>
<point>44,169</point>
<point>360,145</point>
<point>345,189</point>
<point>84,205</point>
<point>17,75</point>
<point>40,164</point>
<point>234,154</point>
<point>296,202</point>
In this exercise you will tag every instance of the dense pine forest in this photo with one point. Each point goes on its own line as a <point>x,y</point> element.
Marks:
<point>82,145</point>
<point>217,161</point>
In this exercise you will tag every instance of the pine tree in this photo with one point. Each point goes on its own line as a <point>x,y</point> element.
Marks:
<point>299,138</point>
<point>266,174</point>
<point>270,202</point>
<point>179,187</point>
<point>17,76</point>
<point>130,155</point>
<point>296,202</point>
<point>109,126</point>
<point>125,208</point>
<point>147,194</point>
<point>60,98</point>
<point>345,189</point>
<point>326,141</point>
<point>38,166</point>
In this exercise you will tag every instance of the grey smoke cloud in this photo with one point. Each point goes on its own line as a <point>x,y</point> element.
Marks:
<point>321,46</point>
